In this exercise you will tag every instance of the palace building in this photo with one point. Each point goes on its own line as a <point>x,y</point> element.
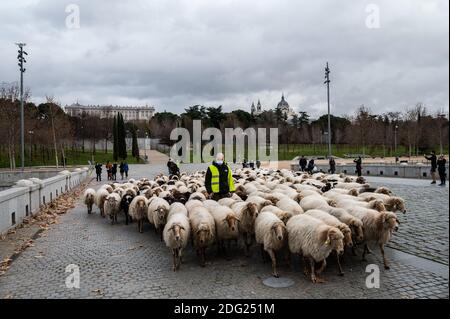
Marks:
<point>283,105</point>
<point>130,113</point>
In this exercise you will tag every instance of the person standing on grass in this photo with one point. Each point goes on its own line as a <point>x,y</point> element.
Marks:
<point>302,163</point>
<point>433,160</point>
<point>441,169</point>
<point>121,170</point>
<point>358,163</point>
<point>98,171</point>
<point>125,168</point>
<point>332,165</point>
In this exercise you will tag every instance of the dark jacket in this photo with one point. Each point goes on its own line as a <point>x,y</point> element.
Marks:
<point>433,160</point>
<point>311,165</point>
<point>358,163</point>
<point>173,168</point>
<point>98,168</point>
<point>441,165</point>
<point>303,162</point>
<point>224,188</point>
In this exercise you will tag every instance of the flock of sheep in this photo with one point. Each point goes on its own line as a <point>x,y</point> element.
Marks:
<point>295,212</point>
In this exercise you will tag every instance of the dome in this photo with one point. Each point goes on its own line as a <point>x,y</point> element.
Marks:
<point>283,104</point>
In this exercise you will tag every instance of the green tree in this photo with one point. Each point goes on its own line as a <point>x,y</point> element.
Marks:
<point>215,116</point>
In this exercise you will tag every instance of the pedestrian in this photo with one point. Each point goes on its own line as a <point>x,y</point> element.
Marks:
<point>109,170</point>
<point>433,160</point>
<point>125,168</point>
<point>310,167</point>
<point>258,164</point>
<point>358,163</point>
<point>173,168</point>
<point>441,169</point>
<point>302,163</point>
<point>244,163</point>
<point>98,171</point>
<point>114,171</point>
<point>332,165</point>
<point>121,170</point>
<point>219,181</point>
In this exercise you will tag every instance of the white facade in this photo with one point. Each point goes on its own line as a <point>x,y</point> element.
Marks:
<point>130,113</point>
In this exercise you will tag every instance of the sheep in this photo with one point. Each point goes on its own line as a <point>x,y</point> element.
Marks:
<point>260,202</point>
<point>378,228</point>
<point>226,225</point>
<point>203,230</point>
<point>315,202</point>
<point>138,210</point>
<point>333,221</point>
<point>100,197</point>
<point>374,204</point>
<point>210,204</point>
<point>158,208</point>
<point>353,222</point>
<point>392,203</point>
<point>197,195</point>
<point>281,214</point>
<point>190,204</point>
<point>108,188</point>
<point>89,198</point>
<point>315,240</point>
<point>176,232</point>
<point>290,205</point>
<point>270,233</point>
<point>227,201</point>
<point>112,206</point>
<point>246,212</point>
<point>125,206</point>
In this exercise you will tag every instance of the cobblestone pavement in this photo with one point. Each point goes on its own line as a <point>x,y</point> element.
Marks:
<point>116,261</point>
<point>424,228</point>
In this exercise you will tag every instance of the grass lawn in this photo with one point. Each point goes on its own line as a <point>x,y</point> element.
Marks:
<point>72,158</point>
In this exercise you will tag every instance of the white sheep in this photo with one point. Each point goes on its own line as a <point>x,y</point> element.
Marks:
<point>112,206</point>
<point>176,233</point>
<point>314,240</point>
<point>158,208</point>
<point>210,204</point>
<point>203,230</point>
<point>228,201</point>
<point>89,199</point>
<point>138,210</point>
<point>227,225</point>
<point>197,195</point>
<point>281,214</point>
<point>100,197</point>
<point>290,205</point>
<point>247,213</point>
<point>378,229</point>
<point>190,204</point>
<point>270,233</point>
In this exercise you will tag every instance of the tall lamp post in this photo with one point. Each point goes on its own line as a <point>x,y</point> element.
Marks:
<point>327,82</point>
<point>31,147</point>
<point>22,60</point>
<point>395,139</point>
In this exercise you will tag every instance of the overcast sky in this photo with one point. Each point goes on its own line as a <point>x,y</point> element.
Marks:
<point>172,54</point>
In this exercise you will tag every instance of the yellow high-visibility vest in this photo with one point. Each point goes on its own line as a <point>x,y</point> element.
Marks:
<point>215,179</point>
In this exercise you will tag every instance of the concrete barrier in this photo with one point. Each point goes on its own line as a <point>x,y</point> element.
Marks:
<point>17,203</point>
<point>404,171</point>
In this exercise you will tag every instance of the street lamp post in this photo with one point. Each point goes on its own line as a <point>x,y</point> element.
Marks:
<point>395,139</point>
<point>327,82</point>
<point>31,147</point>
<point>22,60</point>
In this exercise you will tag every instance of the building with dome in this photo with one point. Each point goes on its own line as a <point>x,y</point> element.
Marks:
<point>287,111</point>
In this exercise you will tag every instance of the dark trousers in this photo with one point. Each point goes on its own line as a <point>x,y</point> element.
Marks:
<point>443,177</point>
<point>358,171</point>
<point>302,168</point>
<point>99,177</point>
<point>217,196</point>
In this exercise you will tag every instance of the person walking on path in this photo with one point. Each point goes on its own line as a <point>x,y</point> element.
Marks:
<point>433,160</point>
<point>125,169</point>
<point>173,168</point>
<point>332,165</point>
<point>302,163</point>
<point>114,171</point>
<point>121,170</point>
<point>441,169</point>
<point>310,167</point>
<point>358,163</point>
<point>109,170</point>
<point>219,181</point>
<point>98,171</point>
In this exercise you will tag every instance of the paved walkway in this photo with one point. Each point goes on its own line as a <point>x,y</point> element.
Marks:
<point>116,261</point>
